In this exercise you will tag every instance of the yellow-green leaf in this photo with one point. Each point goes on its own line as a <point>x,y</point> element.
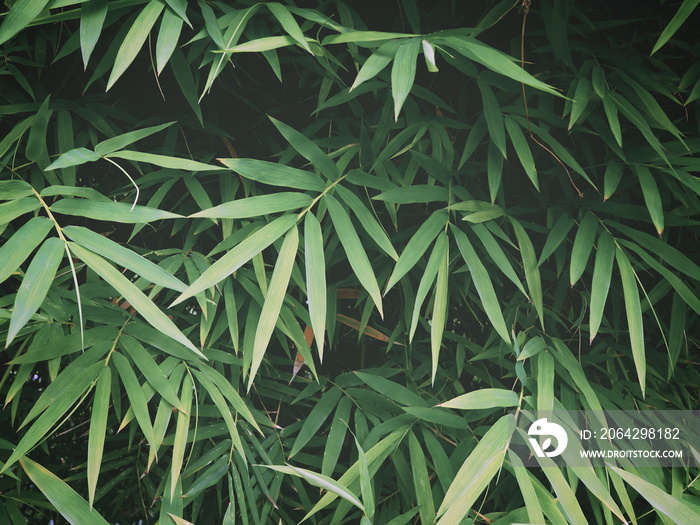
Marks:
<point>483,399</point>
<point>98,427</point>
<point>633,310</point>
<point>403,73</point>
<point>602,275</point>
<point>315,279</point>
<point>437,326</point>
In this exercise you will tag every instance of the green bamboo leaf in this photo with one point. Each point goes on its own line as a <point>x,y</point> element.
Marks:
<point>633,310</point>
<point>362,37</point>
<point>354,250</point>
<point>613,119</point>
<point>151,313</point>
<point>437,326</point>
<point>494,119</point>
<point>532,272</point>
<point>417,246</point>
<point>257,206</point>
<point>376,62</point>
<point>9,211</point>
<point>365,485</point>
<point>111,211</point>
<point>652,198</point>
<point>135,38</point>
<point>426,281</point>
<point>391,390</point>
<point>321,481</point>
<point>421,480</point>
<point>315,419</point>
<point>163,161</point>
<point>684,11</point>
<point>494,250</point>
<point>21,14</point>
<point>375,457</point>
<point>224,385</point>
<point>315,279</point>
<point>150,370</point>
<point>183,75</point>
<point>476,473</point>
<point>308,149</point>
<point>14,189</point>
<point>336,436</point>
<point>273,300</point>
<point>54,412</point>
<point>545,382</point>
<point>527,489</point>
<point>35,284</point>
<point>71,506</point>
<point>494,170</point>
<point>368,222</point>
<point>212,24</point>
<point>238,256</point>
<point>180,8</point>
<point>275,174</point>
<point>494,60</point>
<point>92,17</point>
<point>432,166</point>
<point>98,428</point>
<point>483,399</point>
<point>613,175</point>
<point>258,45</point>
<point>121,141</point>
<point>181,430</point>
<point>403,73</point>
<point>522,150</point>
<point>583,244</point>
<point>168,36</point>
<point>416,193</point>
<point>667,504</point>
<point>582,96</point>
<point>476,134</point>
<point>286,20</point>
<point>138,401</point>
<point>556,236</point>
<point>123,257</point>
<point>602,275</point>
<point>17,248</point>
<point>482,282</point>
<point>15,134</point>
<point>565,494</point>
<point>74,157</point>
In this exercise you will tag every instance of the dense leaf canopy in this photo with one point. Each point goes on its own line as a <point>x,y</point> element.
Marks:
<point>266,262</point>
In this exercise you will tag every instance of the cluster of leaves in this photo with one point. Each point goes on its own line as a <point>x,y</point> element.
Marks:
<point>350,293</point>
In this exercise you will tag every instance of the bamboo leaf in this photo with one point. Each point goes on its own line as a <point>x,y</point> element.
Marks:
<point>238,256</point>
<point>111,211</point>
<point>35,284</point>
<point>163,161</point>
<point>98,427</point>
<point>123,256</point>
<point>684,11</point>
<point>181,429</point>
<point>583,244</point>
<point>582,96</point>
<point>142,304</point>
<point>257,206</point>
<point>476,473</point>
<point>376,62</point>
<point>532,272</point>
<point>556,236</point>
<point>362,37</point>
<point>273,300</point>
<point>315,279</point>
<point>545,382</point>
<point>354,250</point>
<point>652,198</point>
<point>483,284</point>
<point>286,20</point>
<point>21,14</point>
<point>602,275</point>
<point>275,174</point>
<point>494,250</point>
<point>437,326</point>
<point>92,17</point>
<point>421,480</point>
<point>416,247</point>
<point>315,419</point>
<point>74,157</point>
<point>613,175</point>
<point>522,150</point>
<point>168,36</point>
<point>483,399</point>
<point>414,194</point>
<point>71,506</point>
<point>403,73</point>
<point>135,38</point>
<point>633,310</point>
<point>308,149</point>
<point>336,436</point>
<point>426,281</point>
<point>321,481</point>
<point>17,248</point>
<point>9,211</point>
<point>494,119</point>
<point>121,141</point>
